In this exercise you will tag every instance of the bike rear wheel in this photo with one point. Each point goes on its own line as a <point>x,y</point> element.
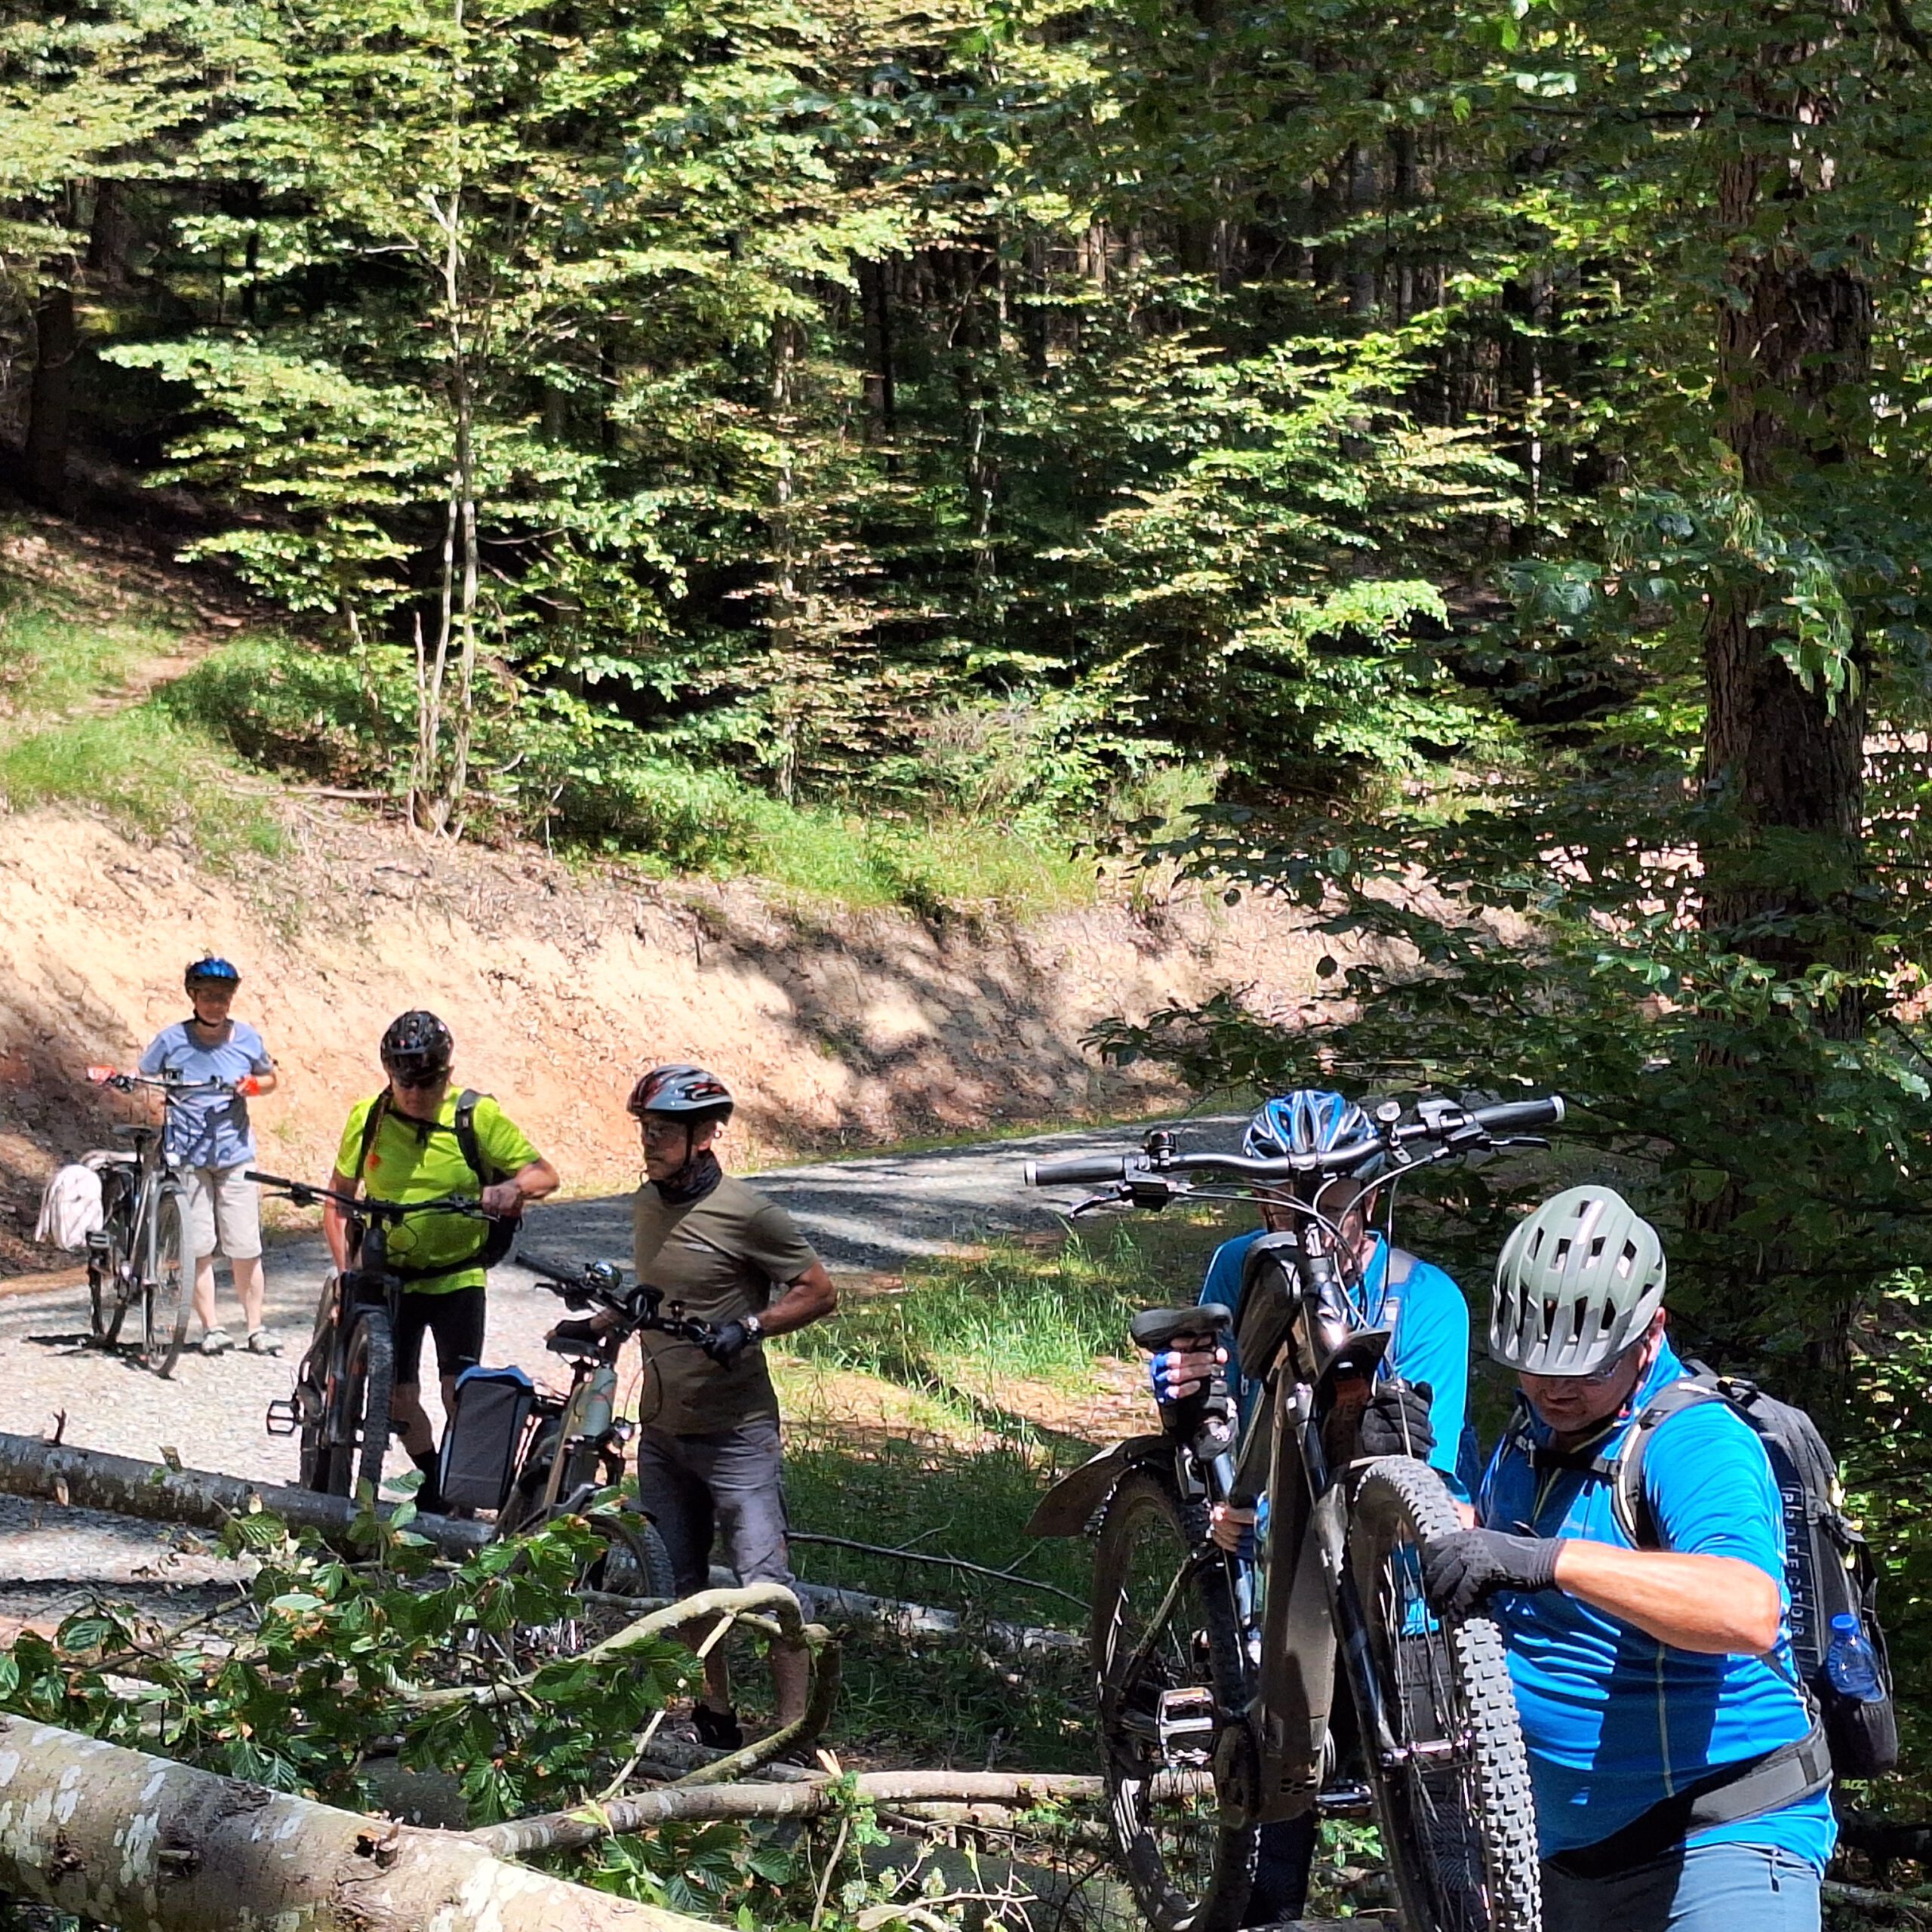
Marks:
<point>1445,1751</point>
<point>1171,1677</point>
<point>356,1425</point>
<point>630,1561</point>
<point>108,1268</point>
<point>164,1293</point>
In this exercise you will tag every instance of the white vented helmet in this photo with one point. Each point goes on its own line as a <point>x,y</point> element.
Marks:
<point>1577,1282</point>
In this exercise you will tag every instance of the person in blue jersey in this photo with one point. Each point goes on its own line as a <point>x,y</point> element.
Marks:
<point>1682,1783</point>
<point>1418,1406</point>
<point>208,1138</point>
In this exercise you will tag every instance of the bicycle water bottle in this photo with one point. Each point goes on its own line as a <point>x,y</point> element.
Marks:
<point>1851,1663</point>
<point>599,1400</point>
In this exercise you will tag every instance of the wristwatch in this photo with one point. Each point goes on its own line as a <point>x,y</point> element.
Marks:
<point>754,1328</point>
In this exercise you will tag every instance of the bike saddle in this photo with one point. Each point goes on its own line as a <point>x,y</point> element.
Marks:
<point>1157,1328</point>
<point>127,1130</point>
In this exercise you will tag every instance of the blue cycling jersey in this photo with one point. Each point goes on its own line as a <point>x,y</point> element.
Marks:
<point>208,1129</point>
<point>1615,1721</point>
<point>1430,1342</point>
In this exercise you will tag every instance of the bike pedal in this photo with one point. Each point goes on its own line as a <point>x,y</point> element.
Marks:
<point>284,1418</point>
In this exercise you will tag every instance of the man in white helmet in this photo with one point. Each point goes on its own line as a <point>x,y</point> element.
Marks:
<point>1681,1780</point>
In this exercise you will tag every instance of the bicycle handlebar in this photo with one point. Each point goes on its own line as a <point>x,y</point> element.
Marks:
<point>126,1083</point>
<point>1450,1126</point>
<point>602,1282</point>
<point>392,1213</point>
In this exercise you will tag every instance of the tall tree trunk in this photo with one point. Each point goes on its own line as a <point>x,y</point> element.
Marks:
<point>1793,339</point>
<point>50,399</point>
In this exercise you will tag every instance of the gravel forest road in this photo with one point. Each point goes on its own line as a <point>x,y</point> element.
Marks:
<point>868,1216</point>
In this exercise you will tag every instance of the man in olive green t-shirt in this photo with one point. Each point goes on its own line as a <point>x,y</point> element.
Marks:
<point>414,1152</point>
<point>707,1449</point>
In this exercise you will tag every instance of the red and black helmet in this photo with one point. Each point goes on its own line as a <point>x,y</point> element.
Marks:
<point>688,1092</point>
<point>417,1045</point>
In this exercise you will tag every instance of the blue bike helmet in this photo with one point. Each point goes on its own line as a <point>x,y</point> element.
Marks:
<point>1306,1122</point>
<point>210,971</point>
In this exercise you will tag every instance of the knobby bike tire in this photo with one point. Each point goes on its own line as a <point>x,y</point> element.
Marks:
<point>358,1436</point>
<point>107,1275</point>
<point>164,1296</point>
<point>1190,1870</point>
<point>1458,1820</point>
<point>629,1559</point>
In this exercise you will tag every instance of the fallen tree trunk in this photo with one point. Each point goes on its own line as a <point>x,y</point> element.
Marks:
<point>560,1830</point>
<point>138,1842</point>
<point>126,1486</point>
<point>830,1605</point>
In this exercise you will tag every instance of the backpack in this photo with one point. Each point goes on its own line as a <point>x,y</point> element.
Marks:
<point>1828,1568</point>
<point>499,1236</point>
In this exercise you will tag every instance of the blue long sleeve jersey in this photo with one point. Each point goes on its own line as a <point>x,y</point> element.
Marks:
<point>1431,1344</point>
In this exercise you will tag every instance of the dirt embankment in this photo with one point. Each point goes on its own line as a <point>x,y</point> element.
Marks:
<point>834,1026</point>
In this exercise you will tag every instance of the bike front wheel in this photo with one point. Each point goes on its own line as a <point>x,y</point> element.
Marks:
<point>356,1427</point>
<point>164,1293</point>
<point>1444,1750</point>
<point>1172,1680</point>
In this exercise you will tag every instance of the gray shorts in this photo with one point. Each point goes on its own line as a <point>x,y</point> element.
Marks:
<point>730,1484</point>
<point>224,1212</point>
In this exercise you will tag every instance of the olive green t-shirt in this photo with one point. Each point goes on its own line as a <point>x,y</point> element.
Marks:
<point>724,1257</point>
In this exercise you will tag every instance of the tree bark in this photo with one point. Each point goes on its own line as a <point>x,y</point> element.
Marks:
<point>50,399</point>
<point>90,1479</point>
<point>1787,757</point>
<point>1015,1791</point>
<point>147,1845</point>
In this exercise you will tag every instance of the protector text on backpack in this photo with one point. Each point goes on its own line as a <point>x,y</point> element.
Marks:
<point>1829,1570</point>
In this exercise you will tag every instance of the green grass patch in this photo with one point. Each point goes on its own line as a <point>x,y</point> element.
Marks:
<point>50,662</point>
<point>1017,1314</point>
<point>144,771</point>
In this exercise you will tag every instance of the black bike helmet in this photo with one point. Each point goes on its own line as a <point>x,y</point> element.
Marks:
<point>210,971</point>
<point>687,1093</point>
<point>418,1046</point>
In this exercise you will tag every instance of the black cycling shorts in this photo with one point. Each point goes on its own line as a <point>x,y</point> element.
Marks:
<point>455,1320</point>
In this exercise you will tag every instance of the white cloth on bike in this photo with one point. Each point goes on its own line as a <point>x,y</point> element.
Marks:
<point>70,1207</point>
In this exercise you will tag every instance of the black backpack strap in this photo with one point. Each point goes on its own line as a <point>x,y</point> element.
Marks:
<point>1624,1470</point>
<point>372,1125</point>
<point>465,1123</point>
<point>1748,1789</point>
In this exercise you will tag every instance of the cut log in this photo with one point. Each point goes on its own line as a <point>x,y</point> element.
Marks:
<point>126,1486</point>
<point>137,1842</point>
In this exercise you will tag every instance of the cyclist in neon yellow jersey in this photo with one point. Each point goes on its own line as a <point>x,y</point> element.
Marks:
<point>417,1140</point>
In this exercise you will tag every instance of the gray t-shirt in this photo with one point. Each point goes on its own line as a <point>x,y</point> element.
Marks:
<point>208,1129</point>
<point>724,1257</point>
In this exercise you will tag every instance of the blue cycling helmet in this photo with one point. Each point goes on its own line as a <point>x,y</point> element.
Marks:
<point>1306,1122</point>
<point>210,971</point>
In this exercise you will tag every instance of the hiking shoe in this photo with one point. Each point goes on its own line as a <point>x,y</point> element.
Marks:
<point>719,1731</point>
<point>217,1342</point>
<point>261,1342</point>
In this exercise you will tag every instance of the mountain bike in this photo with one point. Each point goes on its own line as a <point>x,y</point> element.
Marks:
<point>143,1251</point>
<point>1216,1674</point>
<point>573,1452</point>
<point>343,1384</point>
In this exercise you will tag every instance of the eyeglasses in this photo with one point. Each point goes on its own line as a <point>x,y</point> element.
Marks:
<point>659,1131</point>
<point>1592,1378</point>
<point>419,1083</point>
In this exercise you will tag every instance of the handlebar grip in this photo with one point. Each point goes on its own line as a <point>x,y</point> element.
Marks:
<point>551,1271</point>
<point>1089,1166</point>
<point>1514,1116</point>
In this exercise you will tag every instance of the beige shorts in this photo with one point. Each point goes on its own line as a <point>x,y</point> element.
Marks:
<point>224,1212</point>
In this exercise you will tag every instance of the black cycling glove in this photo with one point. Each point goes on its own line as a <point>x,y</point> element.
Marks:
<point>574,1331</point>
<point>725,1345</point>
<point>1396,1421</point>
<point>1462,1571</point>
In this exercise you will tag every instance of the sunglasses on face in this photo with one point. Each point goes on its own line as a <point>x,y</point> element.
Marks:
<point>1592,1378</point>
<point>657,1132</point>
